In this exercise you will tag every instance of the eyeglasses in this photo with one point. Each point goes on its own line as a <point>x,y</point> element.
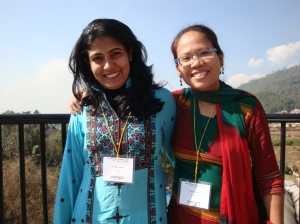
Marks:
<point>204,54</point>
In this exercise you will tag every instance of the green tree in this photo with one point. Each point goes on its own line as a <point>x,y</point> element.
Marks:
<point>168,170</point>
<point>287,170</point>
<point>277,91</point>
<point>10,141</point>
<point>54,147</point>
<point>31,137</point>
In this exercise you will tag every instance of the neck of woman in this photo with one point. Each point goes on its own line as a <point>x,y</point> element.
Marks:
<point>206,108</point>
<point>115,96</point>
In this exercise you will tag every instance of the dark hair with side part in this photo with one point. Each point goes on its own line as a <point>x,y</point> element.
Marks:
<point>139,96</point>
<point>207,32</point>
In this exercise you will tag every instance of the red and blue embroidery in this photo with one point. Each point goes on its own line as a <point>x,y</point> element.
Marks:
<point>138,141</point>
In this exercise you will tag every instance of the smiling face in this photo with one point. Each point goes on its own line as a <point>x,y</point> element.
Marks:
<point>202,75</point>
<point>109,62</point>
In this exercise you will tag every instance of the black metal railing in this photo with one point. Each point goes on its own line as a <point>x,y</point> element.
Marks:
<point>21,120</point>
<point>283,119</point>
<point>63,119</point>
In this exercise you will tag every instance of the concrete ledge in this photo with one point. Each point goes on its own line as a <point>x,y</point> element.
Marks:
<point>291,205</point>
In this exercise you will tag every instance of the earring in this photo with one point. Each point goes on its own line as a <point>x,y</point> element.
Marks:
<point>180,80</point>
<point>222,70</point>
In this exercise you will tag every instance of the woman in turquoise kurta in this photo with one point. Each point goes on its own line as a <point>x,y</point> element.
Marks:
<point>124,114</point>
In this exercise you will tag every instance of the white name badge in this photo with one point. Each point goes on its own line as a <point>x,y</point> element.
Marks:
<point>194,194</point>
<point>118,169</point>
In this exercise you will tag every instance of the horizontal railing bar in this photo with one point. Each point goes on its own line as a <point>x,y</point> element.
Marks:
<point>64,118</point>
<point>34,118</point>
<point>283,117</point>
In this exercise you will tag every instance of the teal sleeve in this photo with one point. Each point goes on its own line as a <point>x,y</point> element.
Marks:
<point>168,114</point>
<point>71,172</point>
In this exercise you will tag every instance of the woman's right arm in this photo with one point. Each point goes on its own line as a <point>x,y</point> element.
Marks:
<point>71,172</point>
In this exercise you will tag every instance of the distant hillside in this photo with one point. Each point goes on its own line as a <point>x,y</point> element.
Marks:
<point>277,91</point>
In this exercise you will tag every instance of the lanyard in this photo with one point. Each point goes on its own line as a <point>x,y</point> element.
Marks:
<point>195,137</point>
<point>117,149</point>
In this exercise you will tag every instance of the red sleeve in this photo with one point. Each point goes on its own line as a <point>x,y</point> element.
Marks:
<point>266,172</point>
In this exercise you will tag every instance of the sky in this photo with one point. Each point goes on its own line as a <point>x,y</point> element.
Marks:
<point>257,37</point>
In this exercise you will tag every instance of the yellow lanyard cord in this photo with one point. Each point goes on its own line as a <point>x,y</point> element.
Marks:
<point>123,130</point>
<point>195,137</point>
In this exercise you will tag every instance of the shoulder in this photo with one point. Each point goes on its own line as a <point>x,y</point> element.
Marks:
<point>77,120</point>
<point>251,107</point>
<point>163,94</point>
<point>248,100</point>
<point>177,93</point>
<point>162,90</point>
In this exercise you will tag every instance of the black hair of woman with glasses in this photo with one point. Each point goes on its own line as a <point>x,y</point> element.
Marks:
<point>112,164</point>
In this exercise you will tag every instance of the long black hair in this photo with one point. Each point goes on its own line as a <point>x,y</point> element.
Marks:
<point>140,96</point>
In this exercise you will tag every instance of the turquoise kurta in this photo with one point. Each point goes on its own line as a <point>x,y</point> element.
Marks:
<point>84,197</point>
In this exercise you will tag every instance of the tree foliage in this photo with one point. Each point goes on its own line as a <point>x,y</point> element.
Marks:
<point>10,141</point>
<point>168,170</point>
<point>277,91</point>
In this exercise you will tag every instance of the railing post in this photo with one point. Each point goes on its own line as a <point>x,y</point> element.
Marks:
<point>44,172</point>
<point>22,172</point>
<point>1,180</point>
<point>282,146</point>
<point>63,136</point>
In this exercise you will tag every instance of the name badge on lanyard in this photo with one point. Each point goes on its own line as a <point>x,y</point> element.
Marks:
<point>194,194</point>
<point>118,169</point>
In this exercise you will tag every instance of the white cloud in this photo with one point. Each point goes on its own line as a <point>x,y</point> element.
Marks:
<point>255,63</point>
<point>292,65</point>
<point>49,91</point>
<point>239,79</point>
<point>280,54</point>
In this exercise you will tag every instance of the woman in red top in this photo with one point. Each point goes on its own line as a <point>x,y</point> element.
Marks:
<point>224,159</point>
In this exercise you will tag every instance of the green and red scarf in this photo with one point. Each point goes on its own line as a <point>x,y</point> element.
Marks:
<point>238,203</point>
